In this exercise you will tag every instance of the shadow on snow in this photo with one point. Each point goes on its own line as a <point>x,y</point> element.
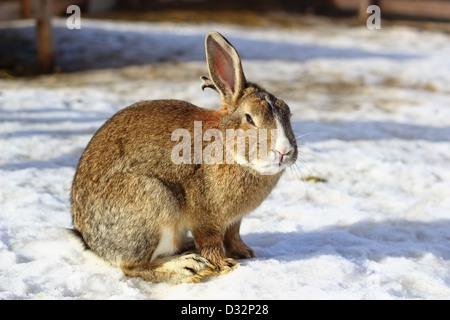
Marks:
<point>94,48</point>
<point>364,240</point>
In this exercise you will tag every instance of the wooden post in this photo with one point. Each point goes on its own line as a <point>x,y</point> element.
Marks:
<point>25,9</point>
<point>44,36</point>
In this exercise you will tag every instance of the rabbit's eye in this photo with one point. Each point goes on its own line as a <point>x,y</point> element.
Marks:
<point>249,119</point>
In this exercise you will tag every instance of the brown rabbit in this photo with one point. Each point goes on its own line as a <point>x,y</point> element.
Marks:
<point>134,201</point>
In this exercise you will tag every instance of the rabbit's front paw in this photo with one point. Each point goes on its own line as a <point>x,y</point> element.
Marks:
<point>227,265</point>
<point>217,258</point>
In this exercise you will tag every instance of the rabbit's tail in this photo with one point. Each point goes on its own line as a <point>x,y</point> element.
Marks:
<point>184,268</point>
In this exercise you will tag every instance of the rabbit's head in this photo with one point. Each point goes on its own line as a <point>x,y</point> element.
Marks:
<point>249,112</point>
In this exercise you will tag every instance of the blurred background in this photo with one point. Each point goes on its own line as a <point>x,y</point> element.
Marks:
<point>35,51</point>
<point>415,9</point>
<point>363,214</point>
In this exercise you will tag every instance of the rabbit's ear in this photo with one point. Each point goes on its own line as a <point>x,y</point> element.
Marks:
<point>206,83</point>
<point>225,69</point>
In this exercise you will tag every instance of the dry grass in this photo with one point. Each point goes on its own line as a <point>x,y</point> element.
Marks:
<point>241,17</point>
<point>257,18</point>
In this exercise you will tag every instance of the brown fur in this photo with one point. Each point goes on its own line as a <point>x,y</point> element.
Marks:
<point>127,194</point>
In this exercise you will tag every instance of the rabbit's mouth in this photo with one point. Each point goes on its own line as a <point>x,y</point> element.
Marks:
<point>278,162</point>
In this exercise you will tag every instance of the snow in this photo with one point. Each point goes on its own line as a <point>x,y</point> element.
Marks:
<point>364,214</point>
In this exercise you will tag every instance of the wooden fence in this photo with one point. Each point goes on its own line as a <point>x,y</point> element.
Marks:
<point>43,10</point>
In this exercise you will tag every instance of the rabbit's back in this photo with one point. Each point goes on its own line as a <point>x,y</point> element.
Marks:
<point>139,139</point>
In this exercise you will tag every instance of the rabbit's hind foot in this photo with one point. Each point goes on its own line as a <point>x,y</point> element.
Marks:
<point>185,268</point>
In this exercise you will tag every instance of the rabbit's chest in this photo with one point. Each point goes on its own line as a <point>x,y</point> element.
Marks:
<point>236,191</point>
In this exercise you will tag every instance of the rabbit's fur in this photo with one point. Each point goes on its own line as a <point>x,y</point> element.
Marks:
<point>133,206</point>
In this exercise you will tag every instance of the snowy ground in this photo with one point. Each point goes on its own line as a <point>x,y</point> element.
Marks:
<point>364,215</point>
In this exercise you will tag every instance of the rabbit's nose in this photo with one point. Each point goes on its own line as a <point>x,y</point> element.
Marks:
<point>280,154</point>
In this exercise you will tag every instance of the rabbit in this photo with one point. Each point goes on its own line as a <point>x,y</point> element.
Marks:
<point>171,222</point>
